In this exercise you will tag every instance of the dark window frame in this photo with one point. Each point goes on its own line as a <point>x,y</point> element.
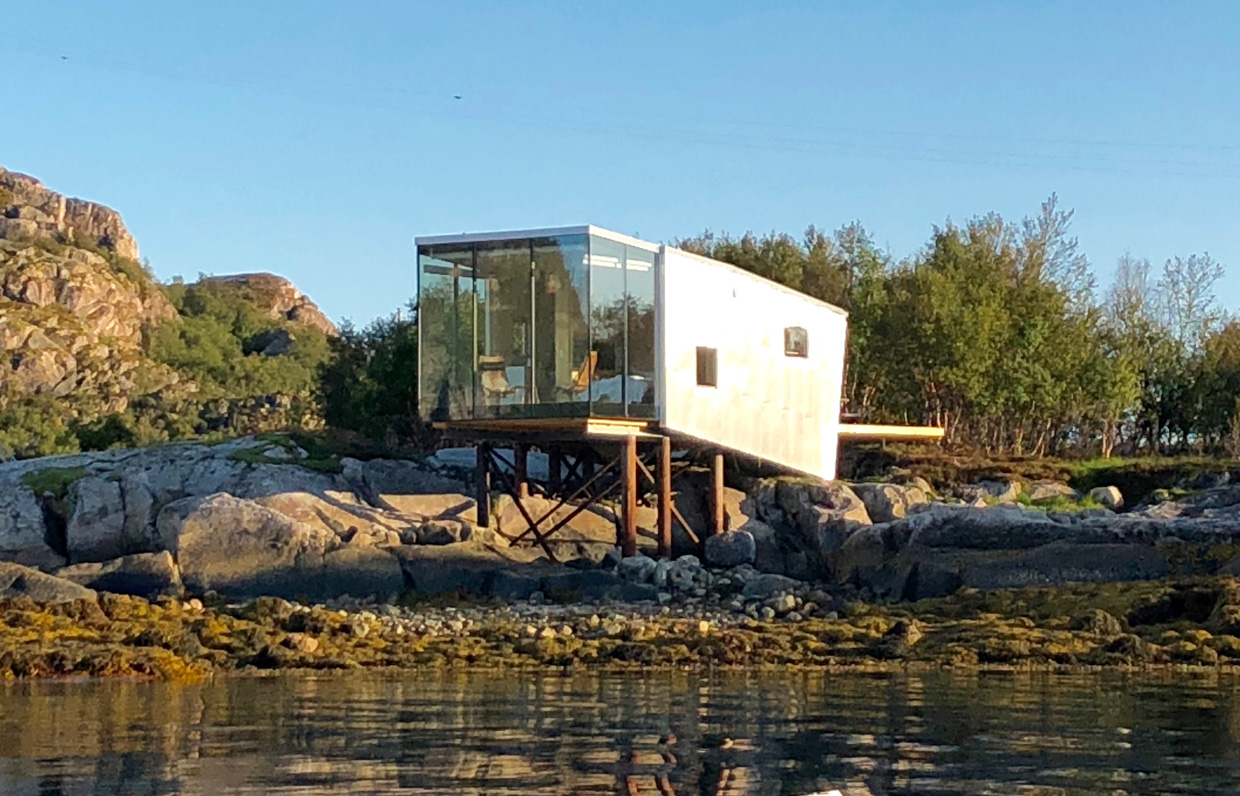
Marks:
<point>796,342</point>
<point>707,366</point>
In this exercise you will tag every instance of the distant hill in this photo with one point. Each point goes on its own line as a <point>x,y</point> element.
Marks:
<point>97,353</point>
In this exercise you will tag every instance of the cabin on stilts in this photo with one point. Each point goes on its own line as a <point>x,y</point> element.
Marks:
<point>610,354</point>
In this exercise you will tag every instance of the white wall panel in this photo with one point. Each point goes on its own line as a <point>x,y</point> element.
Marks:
<point>776,407</point>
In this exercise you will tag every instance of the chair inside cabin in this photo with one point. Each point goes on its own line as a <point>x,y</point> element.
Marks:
<point>582,376</point>
<point>493,377</point>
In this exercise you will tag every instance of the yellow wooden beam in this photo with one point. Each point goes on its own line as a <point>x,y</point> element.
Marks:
<point>870,431</point>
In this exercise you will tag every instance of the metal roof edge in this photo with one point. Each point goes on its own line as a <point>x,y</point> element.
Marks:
<point>771,282</point>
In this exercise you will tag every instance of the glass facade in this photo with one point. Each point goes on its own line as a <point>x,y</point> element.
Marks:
<point>536,327</point>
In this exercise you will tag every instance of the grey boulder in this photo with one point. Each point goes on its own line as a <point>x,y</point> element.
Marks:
<point>240,548</point>
<point>730,549</point>
<point>140,574</point>
<point>19,581</point>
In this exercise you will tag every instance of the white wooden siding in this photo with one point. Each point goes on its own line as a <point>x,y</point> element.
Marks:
<point>779,408</point>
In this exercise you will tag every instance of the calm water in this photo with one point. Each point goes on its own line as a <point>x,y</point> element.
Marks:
<point>535,734</point>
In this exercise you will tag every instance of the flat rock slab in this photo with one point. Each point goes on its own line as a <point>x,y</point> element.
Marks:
<point>140,574</point>
<point>1064,562</point>
<point>19,581</point>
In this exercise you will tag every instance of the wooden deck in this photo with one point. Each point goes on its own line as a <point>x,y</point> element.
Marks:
<point>566,426</point>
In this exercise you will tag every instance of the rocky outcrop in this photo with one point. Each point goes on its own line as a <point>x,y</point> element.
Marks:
<point>238,547</point>
<point>19,581</point>
<point>279,298</point>
<point>28,209</point>
<point>143,574</point>
<point>887,502</point>
<point>85,329</point>
<point>72,327</point>
<point>941,548</point>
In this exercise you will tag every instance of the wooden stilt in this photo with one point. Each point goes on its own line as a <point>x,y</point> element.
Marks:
<point>482,484</point>
<point>555,465</point>
<point>628,502</point>
<point>716,494</point>
<point>664,490</point>
<point>520,469</point>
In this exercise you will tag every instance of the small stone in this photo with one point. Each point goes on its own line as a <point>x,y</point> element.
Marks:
<point>593,622</point>
<point>537,598</point>
<point>637,569</point>
<point>194,605</point>
<point>832,615</point>
<point>1108,496</point>
<point>766,613</point>
<point>703,627</point>
<point>302,642</point>
<point>793,616</point>
<point>784,603</point>
<point>664,598</point>
<point>565,630</point>
<point>547,632</point>
<point>809,608</point>
<point>530,631</point>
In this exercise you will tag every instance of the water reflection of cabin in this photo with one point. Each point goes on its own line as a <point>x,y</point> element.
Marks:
<point>581,329</point>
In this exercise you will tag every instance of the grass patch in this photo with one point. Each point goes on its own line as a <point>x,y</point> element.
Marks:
<point>1060,504</point>
<point>1136,478</point>
<point>55,481</point>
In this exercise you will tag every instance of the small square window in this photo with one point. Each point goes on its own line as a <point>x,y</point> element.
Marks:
<point>796,342</point>
<point>707,367</point>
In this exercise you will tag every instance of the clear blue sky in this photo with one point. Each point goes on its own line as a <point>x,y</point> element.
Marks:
<point>316,139</point>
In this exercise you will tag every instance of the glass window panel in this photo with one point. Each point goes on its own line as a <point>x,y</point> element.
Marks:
<point>505,341</point>
<point>563,363</point>
<point>639,285</point>
<point>608,326</point>
<point>445,329</point>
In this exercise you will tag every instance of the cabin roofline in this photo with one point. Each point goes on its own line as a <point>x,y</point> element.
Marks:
<point>761,279</point>
<point>541,232</point>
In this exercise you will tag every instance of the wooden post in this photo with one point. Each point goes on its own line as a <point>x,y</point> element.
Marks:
<point>665,497</point>
<point>716,494</point>
<point>555,464</point>
<point>628,501</point>
<point>520,469</point>
<point>482,484</point>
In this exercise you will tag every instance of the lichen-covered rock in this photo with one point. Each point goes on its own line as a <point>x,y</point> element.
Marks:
<point>1039,491</point>
<point>238,547</point>
<point>1108,496</point>
<point>767,585</point>
<point>23,535</point>
<point>279,298</point>
<point>140,574</point>
<point>360,572</point>
<point>730,549</point>
<point>96,527</point>
<point>1099,622</point>
<point>999,491</point>
<point>887,502</point>
<point>19,581</point>
<point>636,569</point>
<point>1064,562</point>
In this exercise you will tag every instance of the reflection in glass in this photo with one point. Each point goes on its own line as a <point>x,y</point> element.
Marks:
<point>446,328</point>
<point>546,327</point>
<point>505,346</point>
<point>640,332</point>
<point>608,327</point>
<point>563,362</point>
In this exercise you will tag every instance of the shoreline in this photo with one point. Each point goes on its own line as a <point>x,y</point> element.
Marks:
<point>1174,625</point>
